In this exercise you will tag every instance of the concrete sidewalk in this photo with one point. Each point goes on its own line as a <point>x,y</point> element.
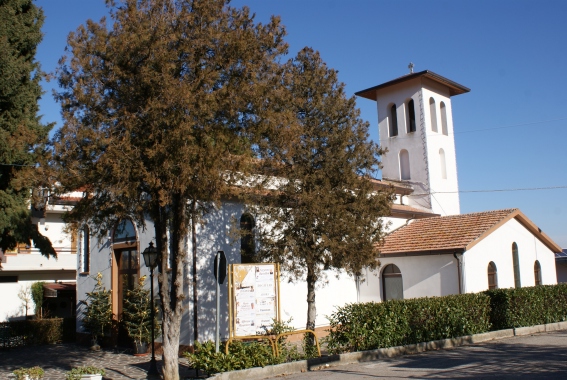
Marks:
<point>59,358</point>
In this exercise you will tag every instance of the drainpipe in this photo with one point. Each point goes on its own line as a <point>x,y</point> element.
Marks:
<point>459,264</point>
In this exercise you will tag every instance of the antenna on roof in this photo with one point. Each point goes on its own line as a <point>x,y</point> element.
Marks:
<point>410,67</point>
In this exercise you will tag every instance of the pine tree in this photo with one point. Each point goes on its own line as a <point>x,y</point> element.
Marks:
<point>97,318</point>
<point>137,314</point>
<point>22,136</point>
<point>323,211</point>
<point>159,108</point>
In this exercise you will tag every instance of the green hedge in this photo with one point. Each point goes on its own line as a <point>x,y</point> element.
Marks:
<point>366,326</point>
<point>36,332</point>
<point>529,306</point>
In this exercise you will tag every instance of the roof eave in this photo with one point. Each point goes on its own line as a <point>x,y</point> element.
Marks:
<point>454,87</point>
<point>433,252</point>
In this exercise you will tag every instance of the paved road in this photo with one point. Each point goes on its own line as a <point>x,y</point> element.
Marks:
<point>540,356</point>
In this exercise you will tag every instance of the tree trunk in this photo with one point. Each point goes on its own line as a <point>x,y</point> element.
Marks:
<point>194,250</point>
<point>311,308</point>
<point>171,289</point>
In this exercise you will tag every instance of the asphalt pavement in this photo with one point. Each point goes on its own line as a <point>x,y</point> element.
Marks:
<point>537,356</point>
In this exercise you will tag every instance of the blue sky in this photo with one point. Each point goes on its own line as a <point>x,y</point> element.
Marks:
<point>510,130</point>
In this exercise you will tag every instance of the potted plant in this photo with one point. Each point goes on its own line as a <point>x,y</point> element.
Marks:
<point>85,372</point>
<point>137,317</point>
<point>33,373</point>
<point>97,317</point>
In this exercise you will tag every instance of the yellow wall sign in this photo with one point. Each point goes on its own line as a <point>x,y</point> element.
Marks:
<point>253,298</point>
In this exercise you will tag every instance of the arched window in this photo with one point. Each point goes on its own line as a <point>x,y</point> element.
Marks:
<point>433,112</point>
<point>411,117</point>
<point>516,261</point>
<point>124,232</point>
<point>492,276</point>
<point>247,243</point>
<point>404,165</point>
<point>444,128</point>
<point>393,121</point>
<point>537,273</point>
<point>392,284</point>
<point>86,249</point>
<point>443,163</point>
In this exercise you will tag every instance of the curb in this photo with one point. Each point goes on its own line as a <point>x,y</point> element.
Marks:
<point>381,353</point>
<point>540,328</point>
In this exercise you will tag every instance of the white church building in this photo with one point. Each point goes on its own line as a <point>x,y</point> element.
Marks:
<point>432,249</point>
<point>449,253</point>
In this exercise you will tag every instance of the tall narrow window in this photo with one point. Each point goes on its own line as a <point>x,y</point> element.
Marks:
<point>516,261</point>
<point>443,163</point>
<point>444,128</point>
<point>247,244</point>
<point>392,284</point>
<point>433,112</point>
<point>393,121</point>
<point>404,165</point>
<point>411,117</point>
<point>125,266</point>
<point>537,273</point>
<point>86,247</point>
<point>492,276</point>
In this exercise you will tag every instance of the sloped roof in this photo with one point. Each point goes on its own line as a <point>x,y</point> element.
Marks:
<point>455,233</point>
<point>454,87</point>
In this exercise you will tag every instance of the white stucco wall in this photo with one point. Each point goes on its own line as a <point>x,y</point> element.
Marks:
<point>423,276</point>
<point>497,247</point>
<point>213,235</point>
<point>425,176</point>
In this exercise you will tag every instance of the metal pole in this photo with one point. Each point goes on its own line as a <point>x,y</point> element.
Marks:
<point>217,336</point>
<point>153,367</point>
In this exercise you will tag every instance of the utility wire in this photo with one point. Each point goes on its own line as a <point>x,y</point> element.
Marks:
<point>493,190</point>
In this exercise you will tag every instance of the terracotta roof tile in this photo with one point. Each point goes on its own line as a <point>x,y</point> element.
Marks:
<point>442,232</point>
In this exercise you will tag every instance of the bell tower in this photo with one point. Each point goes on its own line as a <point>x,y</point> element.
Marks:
<point>415,124</point>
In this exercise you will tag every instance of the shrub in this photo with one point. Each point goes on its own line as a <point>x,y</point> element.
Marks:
<point>33,373</point>
<point>448,317</point>
<point>241,355</point>
<point>366,326</point>
<point>527,306</point>
<point>37,297</point>
<point>250,354</point>
<point>76,373</point>
<point>42,331</point>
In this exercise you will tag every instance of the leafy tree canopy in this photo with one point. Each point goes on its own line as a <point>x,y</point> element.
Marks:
<point>22,136</point>
<point>162,109</point>
<point>324,212</point>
